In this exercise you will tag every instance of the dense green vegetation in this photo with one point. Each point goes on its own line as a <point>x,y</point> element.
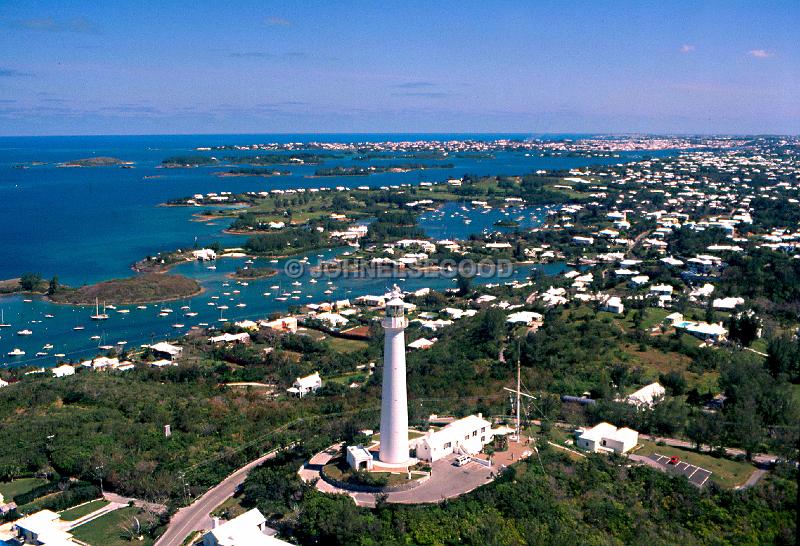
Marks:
<point>552,501</point>
<point>286,241</point>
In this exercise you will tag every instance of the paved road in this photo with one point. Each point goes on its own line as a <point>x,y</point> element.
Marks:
<point>197,516</point>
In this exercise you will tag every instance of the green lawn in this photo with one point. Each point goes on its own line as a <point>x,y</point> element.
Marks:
<point>16,487</point>
<point>107,530</point>
<point>77,512</point>
<point>726,472</point>
<point>346,345</point>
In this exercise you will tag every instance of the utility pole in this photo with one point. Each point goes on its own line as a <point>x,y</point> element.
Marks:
<point>519,385</point>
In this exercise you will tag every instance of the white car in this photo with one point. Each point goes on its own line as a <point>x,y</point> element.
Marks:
<point>461,460</point>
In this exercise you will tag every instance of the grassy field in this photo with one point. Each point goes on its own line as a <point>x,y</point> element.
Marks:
<point>84,509</point>
<point>726,472</point>
<point>108,530</point>
<point>346,379</point>
<point>16,487</point>
<point>346,345</point>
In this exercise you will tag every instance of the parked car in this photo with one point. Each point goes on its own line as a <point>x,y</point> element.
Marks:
<point>461,460</point>
<point>674,459</point>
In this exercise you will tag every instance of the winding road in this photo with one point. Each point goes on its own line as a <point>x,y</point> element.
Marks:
<point>197,516</point>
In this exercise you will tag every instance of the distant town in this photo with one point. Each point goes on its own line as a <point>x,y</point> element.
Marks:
<point>596,354</point>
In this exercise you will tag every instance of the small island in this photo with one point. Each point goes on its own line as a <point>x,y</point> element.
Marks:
<point>252,171</point>
<point>97,162</point>
<point>251,273</point>
<point>146,288</point>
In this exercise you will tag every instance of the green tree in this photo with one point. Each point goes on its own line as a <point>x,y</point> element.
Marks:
<point>30,281</point>
<point>54,286</point>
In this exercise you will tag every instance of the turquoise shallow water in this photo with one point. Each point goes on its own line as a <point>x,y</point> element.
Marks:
<point>90,224</point>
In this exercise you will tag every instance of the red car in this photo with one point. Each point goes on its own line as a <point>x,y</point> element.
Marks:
<point>674,459</point>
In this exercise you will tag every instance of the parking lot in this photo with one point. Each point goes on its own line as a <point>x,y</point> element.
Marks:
<point>695,474</point>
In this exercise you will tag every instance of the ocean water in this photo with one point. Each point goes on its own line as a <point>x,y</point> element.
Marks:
<point>90,224</point>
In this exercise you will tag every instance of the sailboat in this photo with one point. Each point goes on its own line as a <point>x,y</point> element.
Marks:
<point>97,314</point>
<point>3,321</point>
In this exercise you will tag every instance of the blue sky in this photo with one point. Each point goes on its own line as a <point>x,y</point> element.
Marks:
<point>146,67</point>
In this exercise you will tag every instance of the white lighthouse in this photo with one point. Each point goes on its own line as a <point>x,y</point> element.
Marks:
<point>394,401</point>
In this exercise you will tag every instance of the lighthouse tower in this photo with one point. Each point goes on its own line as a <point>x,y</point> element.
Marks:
<point>394,401</point>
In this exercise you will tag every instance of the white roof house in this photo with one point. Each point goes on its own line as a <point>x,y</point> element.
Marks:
<point>647,395</point>
<point>704,330</point>
<point>466,436</point>
<point>244,337</point>
<point>204,254</point>
<point>166,349</point>
<point>333,319</point>
<point>613,304</point>
<point>3,383</point>
<point>288,324</point>
<point>249,529</point>
<point>727,304</point>
<point>305,385</point>
<point>524,317</point>
<point>43,527</point>
<point>422,343</point>
<point>63,371</point>
<point>606,437</point>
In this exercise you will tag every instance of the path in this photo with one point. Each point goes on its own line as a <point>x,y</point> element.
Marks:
<point>757,474</point>
<point>149,506</point>
<point>197,516</point>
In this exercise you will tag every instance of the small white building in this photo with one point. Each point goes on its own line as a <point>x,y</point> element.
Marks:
<point>166,350</point>
<point>466,436</point>
<point>204,254</point>
<point>304,385</point>
<point>422,343</point>
<point>283,324</point>
<point>3,383</point>
<point>244,337</point>
<point>44,528</point>
<point>647,396</point>
<point>359,458</point>
<point>605,437</point>
<point>249,529</point>
<point>63,371</point>
<point>613,304</point>
<point>529,318</point>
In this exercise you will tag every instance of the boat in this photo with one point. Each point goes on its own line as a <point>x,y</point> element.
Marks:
<point>97,314</point>
<point>190,314</point>
<point>60,355</point>
<point>77,328</point>
<point>275,287</point>
<point>166,310</point>
<point>25,332</point>
<point>49,316</point>
<point>3,323</point>
<point>109,306</point>
<point>16,352</point>
<point>212,267</point>
<point>41,353</point>
<point>95,337</point>
<point>281,299</point>
<point>163,314</point>
<point>185,307</point>
<point>297,283</point>
<point>47,346</point>
<point>178,325</point>
<point>106,347</point>
<point>329,291</point>
<point>123,311</point>
<point>141,307</point>
<point>313,281</point>
<point>241,305</point>
<point>267,293</point>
